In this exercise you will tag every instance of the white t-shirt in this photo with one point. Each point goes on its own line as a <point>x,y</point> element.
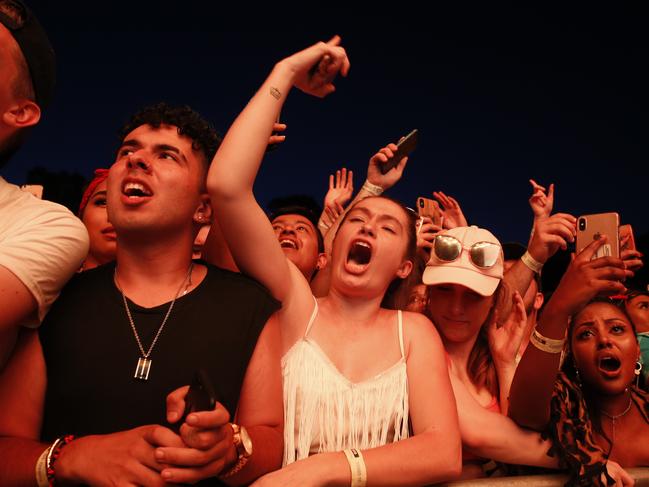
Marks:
<point>42,243</point>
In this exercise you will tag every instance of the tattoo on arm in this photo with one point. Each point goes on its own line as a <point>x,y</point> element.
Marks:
<point>275,93</point>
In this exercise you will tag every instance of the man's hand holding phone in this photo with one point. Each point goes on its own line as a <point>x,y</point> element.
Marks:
<point>207,435</point>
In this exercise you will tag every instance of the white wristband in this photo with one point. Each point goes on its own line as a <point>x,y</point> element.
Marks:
<point>372,188</point>
<point>357,467</point>
<point>40,470</point>
<point>545,344</point>
<point>531,263</point>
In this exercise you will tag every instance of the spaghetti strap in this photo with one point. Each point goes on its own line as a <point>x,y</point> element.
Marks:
<point>400,320</point>
<point>313,315</point>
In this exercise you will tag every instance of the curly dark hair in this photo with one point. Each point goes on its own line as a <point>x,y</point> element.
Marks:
<point>574,420</point>
<point>190,123</point>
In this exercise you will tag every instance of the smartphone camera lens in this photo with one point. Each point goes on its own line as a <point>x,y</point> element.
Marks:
<point>582,224</point>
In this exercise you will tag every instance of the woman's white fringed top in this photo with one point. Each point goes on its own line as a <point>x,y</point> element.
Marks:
<point>324,411</point>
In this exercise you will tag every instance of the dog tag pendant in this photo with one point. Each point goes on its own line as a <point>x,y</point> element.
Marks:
<point>143,368</point>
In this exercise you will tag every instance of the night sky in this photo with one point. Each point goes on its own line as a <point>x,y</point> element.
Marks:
<point>498,97</point>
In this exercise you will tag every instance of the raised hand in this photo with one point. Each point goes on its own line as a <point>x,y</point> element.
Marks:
<point>505,340</point>
<point>390,178</point>
<point>329,217</point>
<point>341,188</point>
<point>207,447</point>
<point>632,258</point>
<point>551,234</point>
<point>453,216</point>
<point>315,67</point>
<point>586,277</point>
<point>426,233</point>
<point>541,201</point>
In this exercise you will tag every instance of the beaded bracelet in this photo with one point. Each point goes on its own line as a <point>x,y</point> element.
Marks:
<point>53,455</point>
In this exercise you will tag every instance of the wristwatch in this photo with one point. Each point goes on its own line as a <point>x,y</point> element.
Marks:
<point>243,445</point>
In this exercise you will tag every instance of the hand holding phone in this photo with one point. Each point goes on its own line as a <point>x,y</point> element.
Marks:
<point>405,146</point>
<point>201,395</point>
<point>627,242</point>
<point>591,227</point>
<point>430,208</point>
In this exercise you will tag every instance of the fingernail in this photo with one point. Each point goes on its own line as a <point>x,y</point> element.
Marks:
<point>159,454</point>
<point>166,474</point>
<point>192,419</point>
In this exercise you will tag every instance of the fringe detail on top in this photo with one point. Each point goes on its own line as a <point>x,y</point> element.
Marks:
<point>325,412</point>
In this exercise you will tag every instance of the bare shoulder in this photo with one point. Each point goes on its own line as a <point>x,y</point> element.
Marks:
<point>296,309</point>
<point>417,329</point>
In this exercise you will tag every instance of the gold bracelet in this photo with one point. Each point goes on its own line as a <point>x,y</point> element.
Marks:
<point>545,344</point>
<point>41,468</point>
<point>357,467</point>
<point>531,263</point>
<point>372,188</point>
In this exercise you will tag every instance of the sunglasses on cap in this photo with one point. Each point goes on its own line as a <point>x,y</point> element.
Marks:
<point>483,254</point>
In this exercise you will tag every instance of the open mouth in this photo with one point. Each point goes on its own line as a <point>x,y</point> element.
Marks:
<point>609,364</point>
<point>359,256</point>
<point>136,190</point>
<point>285,243</point>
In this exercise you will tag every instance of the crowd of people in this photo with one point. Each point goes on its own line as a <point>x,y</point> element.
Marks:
<point>357,343</point>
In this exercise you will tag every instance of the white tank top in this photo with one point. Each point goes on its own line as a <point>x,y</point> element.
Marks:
<point>324,411</point>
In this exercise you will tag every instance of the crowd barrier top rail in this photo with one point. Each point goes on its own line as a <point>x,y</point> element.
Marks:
<point>641,476</point>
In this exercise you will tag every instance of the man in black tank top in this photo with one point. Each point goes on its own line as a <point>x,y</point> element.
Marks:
<point>123,336</point>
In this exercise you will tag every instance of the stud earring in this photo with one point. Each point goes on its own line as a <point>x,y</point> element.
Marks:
<point>577,377</point>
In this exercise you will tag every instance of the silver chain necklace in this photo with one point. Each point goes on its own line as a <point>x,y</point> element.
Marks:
<point>144,362</point>
<point>615,417</point>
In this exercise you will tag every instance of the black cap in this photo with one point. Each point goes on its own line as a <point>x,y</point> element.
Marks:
<point>295,205</point>
<point>36,48</point>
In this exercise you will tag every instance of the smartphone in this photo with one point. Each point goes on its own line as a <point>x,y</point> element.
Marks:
<point>590,227</point>
<point>201,395</point>
<point>626,233</point>
<point>430,208</point>
<point>405,146</point>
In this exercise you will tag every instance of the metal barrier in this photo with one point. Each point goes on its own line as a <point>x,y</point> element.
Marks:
<point>641,476</point>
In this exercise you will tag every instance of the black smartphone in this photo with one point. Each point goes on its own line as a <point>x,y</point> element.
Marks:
<point>201,395</point>
<point>405,146</point>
